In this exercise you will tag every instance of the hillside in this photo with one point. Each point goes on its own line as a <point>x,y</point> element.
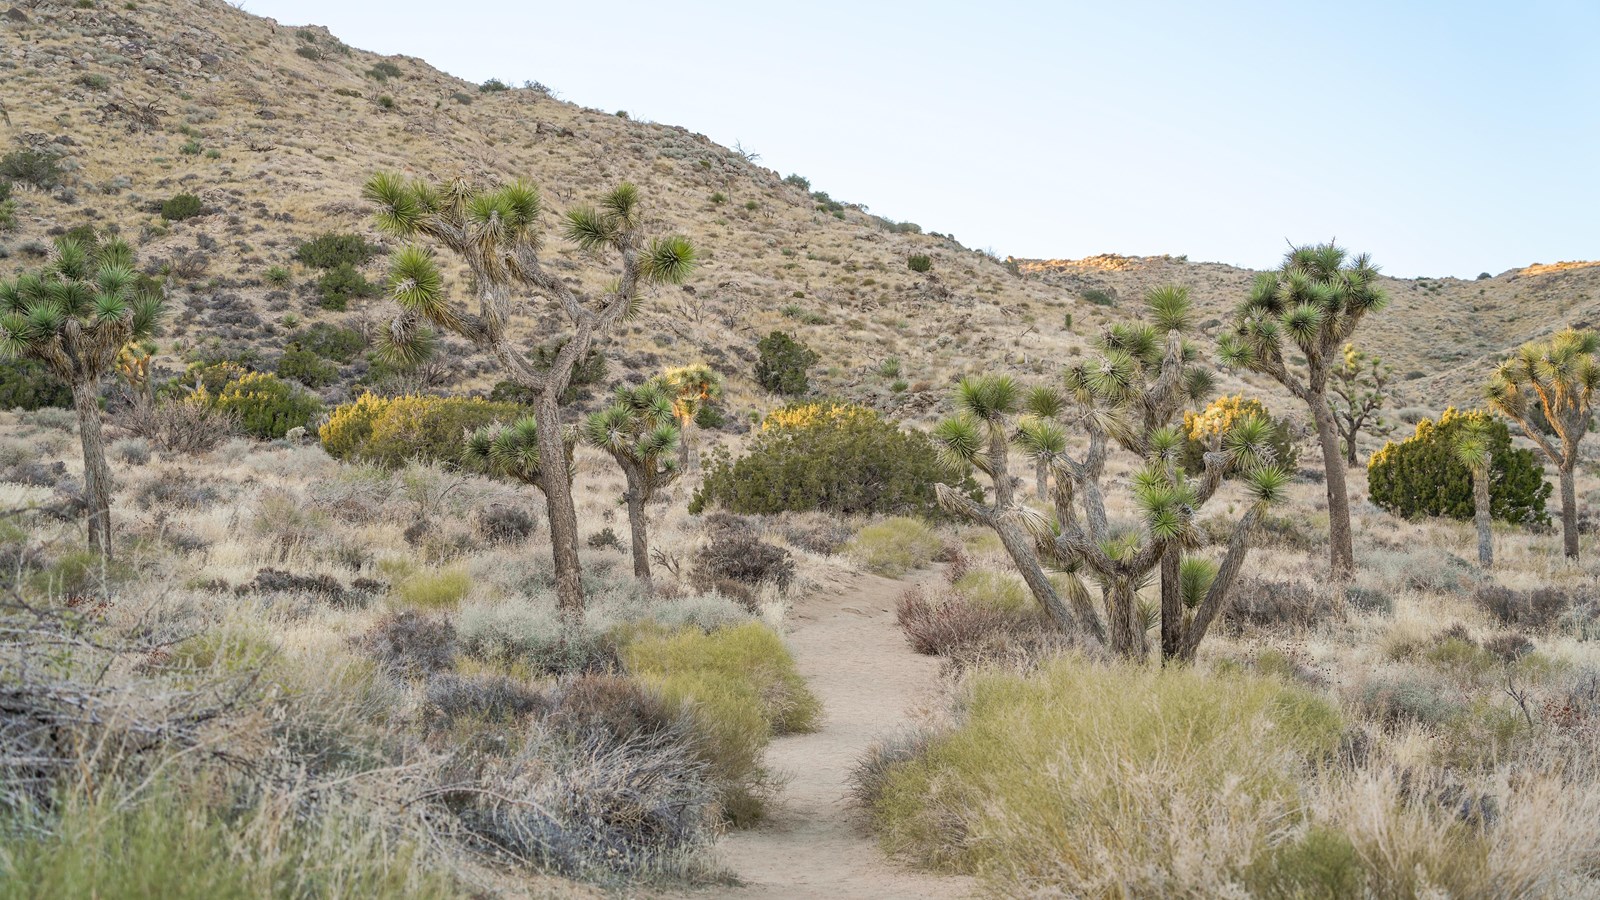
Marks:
<point>275,128</point>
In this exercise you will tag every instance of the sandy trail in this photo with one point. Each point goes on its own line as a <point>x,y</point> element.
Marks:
<point>815,844</point>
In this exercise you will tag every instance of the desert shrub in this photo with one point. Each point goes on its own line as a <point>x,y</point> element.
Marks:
<point>869,775</point>
<point>1262,603</point>
<point>183,426</point>
<point>836,457</point>
<point>530,637</point>
<point>26,384</point>
<point>384,70</point>
<point>813,532</point>
<point>443,589</point>
<point>306,367</point>
<point>331,250</point>
<point>997,590</point>
<point>615,707</point>
<point>135,451</point>
<point>894,547</point>
<point>971,634</point>
<point>1067,780</point>
<point>1219,417</point>
<point>599,809</point>
<point>180,207</point>
<point>410,644</point>
<point>337,286</point>
<point>1538,607</point>
<point>1099,297</point>
<point>741,686</point>
<point>198,842</point>
<point>1421,475</point>
<point>35,167</point>
<point>920,263</point>
<point>1398,699</point>
<point>735,552</point>
<point>332,342</point>
<point>782,363</point>
<point>263,406</point>
<point>505,525</point>
<point>483,698</point>
<point>391,431</point>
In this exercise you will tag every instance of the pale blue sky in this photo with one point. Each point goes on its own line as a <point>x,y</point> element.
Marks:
<point>1446,138</point>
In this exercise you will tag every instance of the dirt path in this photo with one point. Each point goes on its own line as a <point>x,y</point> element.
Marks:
<point>815,844</point>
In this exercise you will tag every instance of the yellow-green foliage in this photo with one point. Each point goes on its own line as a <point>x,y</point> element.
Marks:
<point>391,431</point>
<point>443,589</point>
<point>743,687</point>
<point>895,546</point>
<point>226,649</point>
<point>994,590</point>
<point>264,406</point>
<point>176,845</point>
<point>1098,780</point>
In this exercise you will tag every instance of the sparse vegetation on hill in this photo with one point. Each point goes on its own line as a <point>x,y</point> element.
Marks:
<point>360,666</point>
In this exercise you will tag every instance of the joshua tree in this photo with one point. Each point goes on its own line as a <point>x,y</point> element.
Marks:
<point>977,437</point>
<point>1128,397</point>
<point>1045,404</point>
<point>496,233</point>
<point>1552,379</point>
<point>1315,301</point>
<point>1359,388</point>
<point>638,431</point>
<point>74,316</point>
<point>512,451</point>
<point>1169,504</point>
<point>692,388</point>
<point>1472,449</point>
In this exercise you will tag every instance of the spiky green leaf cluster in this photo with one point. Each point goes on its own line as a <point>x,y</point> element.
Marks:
<point>96,290</point>
<point>639,426</point>
<point>512,451</point>
<point>1315,298</point>
<point>1558,375</point>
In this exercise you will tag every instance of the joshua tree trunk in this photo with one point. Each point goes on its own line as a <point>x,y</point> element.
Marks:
<point>96,474</point>
<point>1020,546</point>
<point>1340,551</point>
<point>1171,603</point>
<point>685,446</point>
<point>1041,476</point>
<point>1127,631</point>
<point>1221,589</point>
<point>558,503</point>
<point>1480,517</point>
<point>1569,513</point>
<point>639,526</point>
<point>1350,450</point>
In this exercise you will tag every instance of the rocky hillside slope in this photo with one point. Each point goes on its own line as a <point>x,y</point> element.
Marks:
<point>275,128</point>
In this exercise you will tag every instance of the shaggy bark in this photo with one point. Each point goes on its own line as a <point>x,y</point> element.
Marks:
<point>1341,550</point>
<point>562,513</point>
<point>1569,514</point>
<point>96,473</point>
<point>1480,517</point>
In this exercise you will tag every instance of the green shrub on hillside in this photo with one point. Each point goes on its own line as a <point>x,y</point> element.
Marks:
<point>1422,475</point>
<point>339,285</point>
<point>831,456</point>
<point>331,250</point>
<point>26,384</point>
<point>306,367</point>
<point>391,431</point>
<point>264,406</point>
<point>180,207</point>
<point>920,263</point>
<point>35,167</point>
<point>782,364</point>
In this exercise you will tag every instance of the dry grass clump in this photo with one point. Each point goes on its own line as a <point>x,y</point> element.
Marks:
<point>894,547</point>
<point>741,686</point>
<point>980,621</point>
<point>1094,780</point>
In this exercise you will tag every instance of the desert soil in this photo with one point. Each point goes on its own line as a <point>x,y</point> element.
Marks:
<point>815,843</point>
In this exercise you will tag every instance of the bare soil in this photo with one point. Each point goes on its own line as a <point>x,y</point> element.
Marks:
<point>815,843</point>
